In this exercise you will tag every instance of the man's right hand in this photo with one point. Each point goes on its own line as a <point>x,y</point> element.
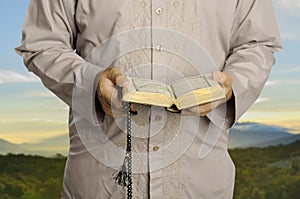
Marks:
<point>107,90</point>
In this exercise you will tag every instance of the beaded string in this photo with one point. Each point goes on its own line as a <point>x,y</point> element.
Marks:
<point>124,175</point>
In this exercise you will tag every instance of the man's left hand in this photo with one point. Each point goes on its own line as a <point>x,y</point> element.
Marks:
<point>225,81</point>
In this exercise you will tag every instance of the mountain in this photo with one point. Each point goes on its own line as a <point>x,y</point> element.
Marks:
<point>47,147</point>
<point>57,140</point>
<point>7,147</point>
<point>285,140</point>
<point>242,135</point>
<point>251,134</point>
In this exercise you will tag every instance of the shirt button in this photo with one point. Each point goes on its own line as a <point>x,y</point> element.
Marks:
<point>176,45</point>
<point>155,148</point>
<point>143,4</point>
<point>175,4</point>
<point>157,118</point>
<point>159,48</point>
<point>158,11</point>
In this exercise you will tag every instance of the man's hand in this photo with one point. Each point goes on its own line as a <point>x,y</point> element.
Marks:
<point>226,82</point>
<point>110,81</point>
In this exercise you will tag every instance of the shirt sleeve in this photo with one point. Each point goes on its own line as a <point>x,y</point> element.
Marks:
<point>48,48</point>
<point>254,39</point>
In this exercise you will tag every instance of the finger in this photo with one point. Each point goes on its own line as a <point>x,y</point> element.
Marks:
<point>206,108</point>
<point>115,100</point>
<point>105,107</point>
<point>200,110</point>
<point>112,111</point>
<point>122,82</point>
<point>115,113</point>
<point>108,95</point>
<point>229,94</point>
<point>217,103</point>
<point>204,113</point>
<point>105,94</point>
<point>226,82</point>
<point>188,112</point>
<point>117,77</point>
<point>109,92</point>
<point>216,76</point>
<point>109,99</point>
<point>105,86</point>
<point>224,79</point>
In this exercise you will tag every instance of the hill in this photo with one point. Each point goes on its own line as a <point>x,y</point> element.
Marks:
<point>30,177</point>
<point>7,147</point>
<point>250,134</point>
<point>47,147</point>
<point>284,140</point>
<point>261,173</point>
<point>242,135</point>
<point>267,173</point>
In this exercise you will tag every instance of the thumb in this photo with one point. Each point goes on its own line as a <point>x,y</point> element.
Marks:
<point>117,77</point>
<point>216,76</point>
<point>221,77</point>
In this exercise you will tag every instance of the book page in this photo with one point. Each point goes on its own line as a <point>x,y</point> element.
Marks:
<point>151,86</point>
<point>186,85</point>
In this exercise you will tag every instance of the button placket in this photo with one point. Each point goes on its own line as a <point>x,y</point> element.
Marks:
<point>159,21</point>
<point>158,114</point>
<point>157,122</point>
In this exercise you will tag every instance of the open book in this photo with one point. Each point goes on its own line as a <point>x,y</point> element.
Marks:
<point>181,94</point>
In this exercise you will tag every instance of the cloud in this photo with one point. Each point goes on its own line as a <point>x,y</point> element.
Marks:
<point>259,127</point>
<point>288,13</point>
<point>261,100</point>
<point>283,82</point>
<point>38,93</point>
<point>288,70</point>
<point>274,82</point>
<point>258,134</point>
<point>290,36</point>
<point>7,76</point>
<point>289,7</point>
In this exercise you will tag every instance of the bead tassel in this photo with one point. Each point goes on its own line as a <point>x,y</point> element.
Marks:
<point>123,177</point>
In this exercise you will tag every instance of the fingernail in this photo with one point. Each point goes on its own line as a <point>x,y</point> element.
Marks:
<point>123,82</point>
<point>216,75</point>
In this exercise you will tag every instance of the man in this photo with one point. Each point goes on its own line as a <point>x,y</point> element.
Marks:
<point>240,36</point>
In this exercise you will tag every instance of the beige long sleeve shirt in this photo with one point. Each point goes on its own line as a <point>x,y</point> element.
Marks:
<point>68,42</point>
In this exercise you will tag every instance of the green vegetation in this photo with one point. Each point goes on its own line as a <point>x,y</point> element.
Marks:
<point>267,173</point>
<point>30,177</point>
<point>262,173</point>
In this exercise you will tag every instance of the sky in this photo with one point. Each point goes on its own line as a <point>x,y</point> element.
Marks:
<point>30,113</point>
